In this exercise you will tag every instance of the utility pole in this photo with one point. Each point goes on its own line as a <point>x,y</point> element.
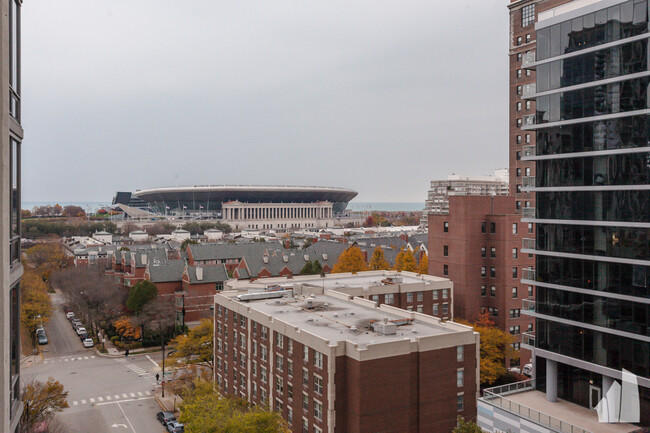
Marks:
<point>163,364</point>
<point>183,295</point>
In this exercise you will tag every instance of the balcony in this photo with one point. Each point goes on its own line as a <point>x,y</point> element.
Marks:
<point>528,306</point>
<point>528,60</point>
<point>529,91</point>
<point>528,121</point>
<point>528,244</point>
<point>528,213</point>
<point>528,150</point>
<point>528,182</point>
<point>14,251</point>
<point>528,340</point>
<point>528,274</point>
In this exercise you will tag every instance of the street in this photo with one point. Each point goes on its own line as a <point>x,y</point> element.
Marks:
<point>105,394</point>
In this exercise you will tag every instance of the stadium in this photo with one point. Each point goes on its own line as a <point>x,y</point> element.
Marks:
<point>208,199</point>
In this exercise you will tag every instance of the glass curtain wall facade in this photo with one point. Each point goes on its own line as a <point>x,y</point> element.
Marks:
<point>592,182</point>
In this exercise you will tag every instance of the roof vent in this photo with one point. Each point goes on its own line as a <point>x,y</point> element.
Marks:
<point>306,256</point>
<point>285,258</point>
<point>265,259</point>
<point>324,256</point>
<point>384,328</point>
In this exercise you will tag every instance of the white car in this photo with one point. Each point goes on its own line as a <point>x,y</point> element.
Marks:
<point>527,370</point>
<point>69,315</point>
<point>88,342</point>
<point>81,330</point>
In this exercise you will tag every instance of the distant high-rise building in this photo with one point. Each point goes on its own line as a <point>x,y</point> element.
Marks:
<point>10,267</point>
<point>437,202</point>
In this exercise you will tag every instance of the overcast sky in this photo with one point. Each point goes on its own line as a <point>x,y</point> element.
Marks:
<point>380,96</point>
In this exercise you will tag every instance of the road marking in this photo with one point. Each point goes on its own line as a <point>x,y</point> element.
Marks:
<point>83,401</point>
<point>92,400</point>
<point>66,360</point>
<point>133,395</point>
<point>125,396</point>
<point>74,403</point>
<point>147,392</point>
<point>108,397</point>
<point>85,357</point>
<point>140,394</point>
<point>154,363</point>
<point>100,399</point>
<point>117,397</point>
<point>127,418</point>
<point>124,401</point>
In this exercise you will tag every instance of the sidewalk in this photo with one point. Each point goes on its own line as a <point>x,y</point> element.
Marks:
<point>171,402</point>
<point>31,360</point>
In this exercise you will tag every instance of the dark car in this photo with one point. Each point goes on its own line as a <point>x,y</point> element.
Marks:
<point>165,417</point>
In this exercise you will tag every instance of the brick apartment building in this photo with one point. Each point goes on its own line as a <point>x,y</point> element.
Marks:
<point>331,362</point>
<point>478,247</point>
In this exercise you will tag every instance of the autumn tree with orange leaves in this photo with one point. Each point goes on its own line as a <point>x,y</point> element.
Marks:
<point>350,260</point>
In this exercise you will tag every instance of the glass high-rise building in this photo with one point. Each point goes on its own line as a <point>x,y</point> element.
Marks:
<point>592,186</point>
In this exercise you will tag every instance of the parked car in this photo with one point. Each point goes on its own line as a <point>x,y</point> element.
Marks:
<point>69,315</point>
<point>88,342</point>
<point>527,370</point>
<point>165,417</point>
<point>41,337</point>
<point>175,427</point>
<point>80,330</point>
<point>76,323</point>
<point>83,336</point>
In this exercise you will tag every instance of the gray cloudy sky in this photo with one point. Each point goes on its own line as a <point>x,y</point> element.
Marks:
<point>376,95</point>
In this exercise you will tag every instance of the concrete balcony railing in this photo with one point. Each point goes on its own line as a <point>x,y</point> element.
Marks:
<point>528,120</point>
<point>528,182</point>
<point>528,213</point>
<point>528,306</point>
<point>528,244</point>
<point>528,339</point>
<point>528,274</point>
<point>528,91</point>
<point>527,60</point>
<point>528,150</point>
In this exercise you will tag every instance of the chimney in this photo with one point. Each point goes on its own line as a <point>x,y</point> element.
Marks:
<point>199,273</point>
<point>144,259</point>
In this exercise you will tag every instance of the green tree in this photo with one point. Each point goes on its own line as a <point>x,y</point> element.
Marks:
<point>317,268</point>
<point>204,410</point>
<point>378,260</point>
<point>405,261</point>
<point>143,292</point>
<point>41,400</point>
<point>466,427</point>
<point>187,242</point>
<point>195,348</point>
<point>308,269</point>
<point>350,260</point>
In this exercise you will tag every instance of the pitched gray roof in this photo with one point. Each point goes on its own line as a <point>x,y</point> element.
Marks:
<point>211,274</point>
<point>171,271</point>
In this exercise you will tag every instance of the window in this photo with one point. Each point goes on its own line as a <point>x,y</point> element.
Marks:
<point>514,228</point>
<point>255,348</point>
<point>409,297</point>
<point>254,368</point>
<point>445,309</point>
<point>445,293</point>
<point>519,72</point>
<point>460,378</point>
<point>289,367</point>
<point>279,340</point>
<point>518,106</point>
<point>305,377</point>
<point>305,353</point>
<point>527,108</point>
<point>515,346</point>
<point>483,271</point>
<point>514,253</point>
<point>483,290</point>
<point>493,228</point>
<point>518,188</point>
<point>318,359</point>
<point>279,385</point>
<point>305,423</point>
<point>289,414</point>
<point>518,172</point>
<point>264,353</point>
<point>528,38</point>
<point>318,385</point>
<point>518,205</point>
<point>519,40</point>
<point>318,410</point>
<point>265,332</point>
<point>420,296</point>
<point>493,252</point>
<point>460,353</point>
<point>375,298</point>
<point>515,313</point>
<point>290,349</point>
<point>527,15</point>
<point>445,250</point>
<point>435,294</point>
<point>14,62</point>
<point>435,309</point>
<point>305,402</point>
<point>445,270</point>
<point>518,155</point>
<point>493,291</point>
<point>420,309</point>
<point>530,228</point>
<point>493,272</point>
<point>514,272</point>
<point>527,171</point>
<point>390,298</point>
<point>519,57</point>
<point>514,292</point>
<point>519,122</point>
<point>242,360</point>
<point>519,88</point>
<point>459,403</point>
<point>279,362</point>
<point>263,375</point>
<point>530,327</point>
<point>530,291</point>
<point>317,430</point>
<point>514,330</point>
<point>518,142</point>
<point>290,390</point>
<point>483,251</point>
<point>445,227</point>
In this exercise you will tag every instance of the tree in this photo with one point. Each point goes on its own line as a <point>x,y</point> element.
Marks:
<point>405,261</point>
<point>195,348</point>
<point>350,260</point>
<point>308,269</point>
<point>423,267</point>
<point>46,258</point>
<point>35,305</point>
<point>187,242</point>
<point>204,410</point>
<point>42,400</point>
<point>317,268</point>
<point>466,426</point>
<point>495,348</point>
<point>125,329</point>
<point>143,292</point>
<point>25,213</point>
<point>378,260</point>
<point>73,211</point>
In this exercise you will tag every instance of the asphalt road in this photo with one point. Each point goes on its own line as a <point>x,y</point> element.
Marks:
<point>106,395</point>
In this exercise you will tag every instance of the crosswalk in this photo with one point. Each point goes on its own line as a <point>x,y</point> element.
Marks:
<point>112,398</point>
<point>68,359</point>
<point>141,372</point>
